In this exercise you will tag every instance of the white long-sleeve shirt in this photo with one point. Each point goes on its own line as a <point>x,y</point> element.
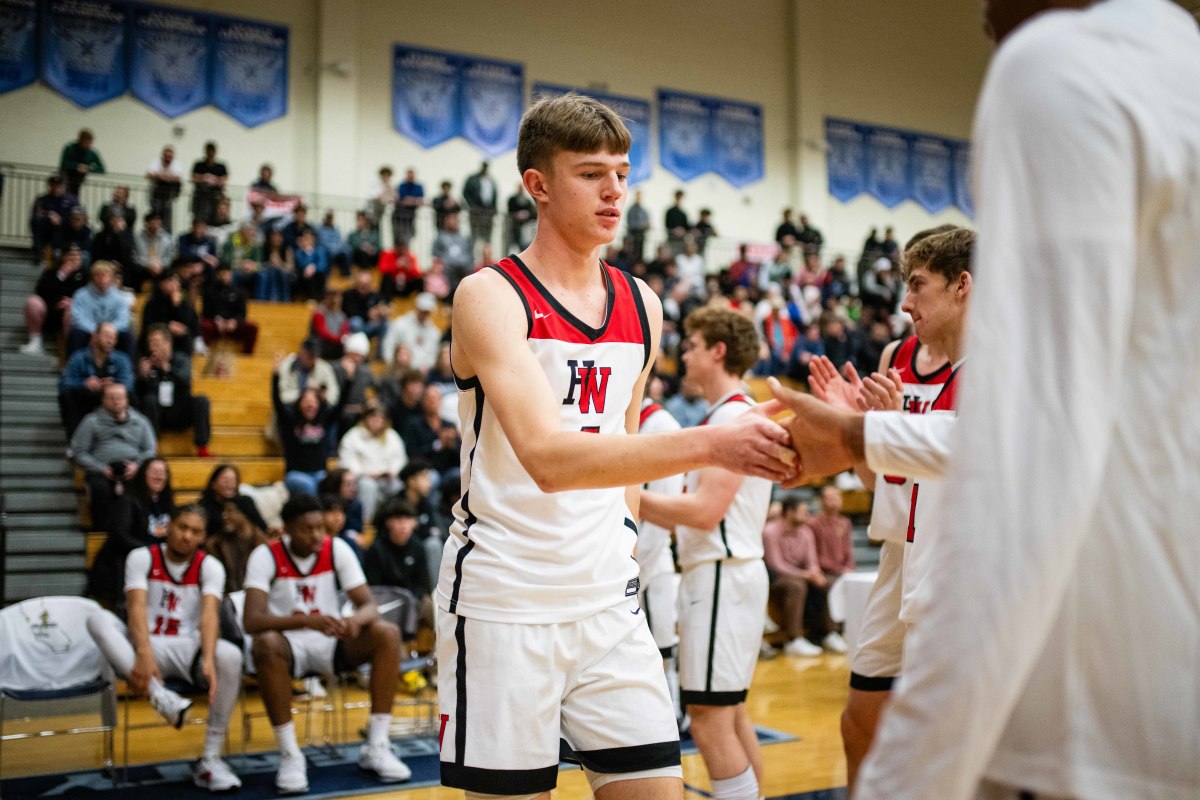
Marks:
<point>364,454</point>
<point>1065,654</point>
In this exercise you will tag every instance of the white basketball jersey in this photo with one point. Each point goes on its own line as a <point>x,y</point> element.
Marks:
<point>739,534</point>
<point>891,507</point>
<point>516,553</point>
<point>173,606</point>
<point>297,593</point>
<point>654,542</point>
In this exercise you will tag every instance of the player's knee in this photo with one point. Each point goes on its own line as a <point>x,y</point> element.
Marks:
<point>385,635</point>
<point>268,646</point>
<point>229,658</point>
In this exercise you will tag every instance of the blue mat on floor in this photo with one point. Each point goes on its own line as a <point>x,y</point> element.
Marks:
<point>327,776</point>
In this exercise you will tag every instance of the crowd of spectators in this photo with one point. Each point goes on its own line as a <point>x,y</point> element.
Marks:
<point>371,388</point>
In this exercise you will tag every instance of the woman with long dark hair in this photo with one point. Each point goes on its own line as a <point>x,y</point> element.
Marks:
<point>222,488</point>
<point>140,517</point>
<point>305,430</point>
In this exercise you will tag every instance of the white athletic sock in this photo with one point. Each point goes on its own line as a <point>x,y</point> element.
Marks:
<point>380,726</point>
<point>285,737</point>
<point>214,741</point>
<point>739,787</point>
<point>156,689</point>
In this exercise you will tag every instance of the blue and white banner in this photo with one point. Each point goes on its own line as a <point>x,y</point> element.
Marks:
<point>249,70</point>
<point>887,166</point>
<point>846,159</point>
<point>896,165</point>
<point>737,130</point>
<point>83,50</point>
<point>962,178</point>
<point>425,92</point>
<point>634,112</point>
<point>932,179</point>
<point>684,134</point>
<point>18,44</point>
<point>169,59</point>
<point>493,99</point>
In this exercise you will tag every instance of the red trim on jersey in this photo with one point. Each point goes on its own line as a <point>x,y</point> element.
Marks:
<point>947,399</point>
<point>647,412</point>
<point>733,398</point>
<point>285,567</point>
<point>904,359</point>
<point>159,571</point>
<point>550,320</point>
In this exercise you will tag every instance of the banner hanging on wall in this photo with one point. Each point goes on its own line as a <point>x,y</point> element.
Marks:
<point>895,165</point>
<point>698,134</point>
<point>83,50</point>
<point>249,70</point>
<point>438,96</point>
<point>635,113</point>
<point>169,59</point>
<point>18,44</point>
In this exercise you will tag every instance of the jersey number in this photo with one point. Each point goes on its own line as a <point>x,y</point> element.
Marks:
<point>912,513</point>
<point>166,626</point>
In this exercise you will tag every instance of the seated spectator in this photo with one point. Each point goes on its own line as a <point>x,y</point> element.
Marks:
<point>454,251</point>
<point>690,267</point>
<point>780,328</point>
<point>119,207</point>
<point>153,252</point>
<point>197,250</point>
<point>364,243</point>
<point>445,456</point>
<point>442,374</point>
<point>832,529</point>
<point>421,432</point>
<point>365,308</point>
<point>297,227</point>
<point>108,445</point>
<point>232,546</point>
<point>342,484</point>
<point>277,270</point>
<point>329,237</point>
<point>330,325</point>
<point>397,557</point>
<point>811,273</point>
<point>778,271</point>
<point>416,329</point>
<point>115,243</point>
<point>837,284</point>
<point>276,616</point>
<point>790,552</point>
<point>170,307</point>
<point>356,377</point>
<point>839,344</point>
<point>337,523</point>
<point>48,309</point>
<point>421,492</point>
<point>743,271</point>
<point>400,390</point>
<point>223,315</point>
<point>88,372</point>
<point>374,454</point>
<point>869,352</point>
<point>50,213</point>
<point>687,406</point>
<point>303,369</point>
<point>305,428</point>
<point>808,347</point>
<point>75,233</point>
<point>435,282</point>
<point>140,517</point>
<point>879,288</point>
<point>164,391</point>
<point>222,489</point>
<point>242,252</point>
<point>312,266</point>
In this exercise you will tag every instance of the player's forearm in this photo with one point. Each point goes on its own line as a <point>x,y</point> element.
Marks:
<point>366,613</point>
<point>689,510</point>
<point>210,629</point>
<point>257,623</point>
<point>565,460</point>
<point>915,446</point>
<point>138,623</point>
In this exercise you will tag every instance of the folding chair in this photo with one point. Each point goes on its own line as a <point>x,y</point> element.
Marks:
<point>48,655</point>
<point>179,687</point>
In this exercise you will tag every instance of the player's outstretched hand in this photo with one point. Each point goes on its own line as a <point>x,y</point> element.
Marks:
<point>829,386</point>
<point>882,392</point>
<point>820,434</point>
<point>755,445</point>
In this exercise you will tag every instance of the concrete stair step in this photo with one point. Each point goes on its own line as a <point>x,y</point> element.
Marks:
<point>35,386</point>
<point>33,483</point>
<point>34,466</point>
<point>65,501</point>
<point>48,541</point>
<point>22,586</point>
<point>60,562</point>
<point>47,406</point>
<point>15,363</point>
<point>42,522</point>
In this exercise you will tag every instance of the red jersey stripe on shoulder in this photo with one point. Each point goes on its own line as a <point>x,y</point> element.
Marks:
<point>733,398</point>
<point>647,412</point>
<point>905,361</point>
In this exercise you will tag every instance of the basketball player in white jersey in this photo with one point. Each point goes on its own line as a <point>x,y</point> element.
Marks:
<point>919,366</point>
<point>659,592</point>
<point>719,522</point>
<point>541,632</point>
<point>292,612</point>
<point>172,595</point>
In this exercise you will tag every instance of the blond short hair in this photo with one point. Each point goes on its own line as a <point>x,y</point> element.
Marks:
<point>730,328</point>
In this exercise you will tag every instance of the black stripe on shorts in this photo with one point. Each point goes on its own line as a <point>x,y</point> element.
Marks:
<point>499,781</point>
<point>635,758</point>
<point>864,683</point>
<point>712,698</point>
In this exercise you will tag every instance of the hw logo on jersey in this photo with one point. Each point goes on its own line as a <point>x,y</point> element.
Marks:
<point>308,594</point>
<point>170,600</point>
<point>915,405</point>
<point>592,383</point>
